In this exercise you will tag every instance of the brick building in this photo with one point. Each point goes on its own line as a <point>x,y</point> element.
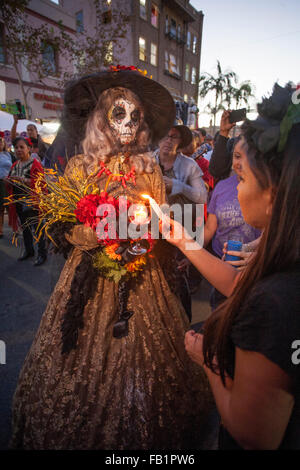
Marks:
<point>167,36</point>
<point>44,99</point>
<point>163,36</point>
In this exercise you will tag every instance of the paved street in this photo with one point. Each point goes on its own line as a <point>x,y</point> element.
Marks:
<point>24,293</point>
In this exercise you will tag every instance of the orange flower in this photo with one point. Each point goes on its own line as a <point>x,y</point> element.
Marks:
<point>110,250</point>
<point>136,265</point>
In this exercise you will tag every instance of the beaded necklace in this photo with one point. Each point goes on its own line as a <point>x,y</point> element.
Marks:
<point>121,177</point>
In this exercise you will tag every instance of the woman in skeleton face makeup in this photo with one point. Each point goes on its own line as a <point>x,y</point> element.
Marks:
<point>139,391</point>
<point>124,120</point>
<point>118,125</point>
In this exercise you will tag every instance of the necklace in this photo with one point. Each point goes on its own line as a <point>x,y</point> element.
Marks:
<point>120,176</point>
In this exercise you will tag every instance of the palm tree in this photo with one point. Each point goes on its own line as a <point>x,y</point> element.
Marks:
<point>212,111</point>
<point>242,93</point>
<point>218,85</point>
<point>239,95</point>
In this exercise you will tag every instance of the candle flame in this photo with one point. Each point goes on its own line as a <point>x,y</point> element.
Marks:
<point>140,215</point>
<point>154,206</point>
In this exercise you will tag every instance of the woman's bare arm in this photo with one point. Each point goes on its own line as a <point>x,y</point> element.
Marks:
<point>13,132</point>
<point>218,273</point>
<point>257,408</point>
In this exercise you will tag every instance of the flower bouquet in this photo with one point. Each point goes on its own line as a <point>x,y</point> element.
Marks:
<point>72,199</point>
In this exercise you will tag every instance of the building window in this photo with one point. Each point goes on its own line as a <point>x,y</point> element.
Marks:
<point>193,81</point>
<point>55,1</point>
<point>171,64</point>
<point>177,67</point>
<point>79,21</point>
<point>142,49</point>
<point>2,45</point>
<point>187,72</point>
<point>167,25</point>
<point>185,97</point>
<point>153,58</point>
<point>166,60</point>
<point>143,9</point>
<point>173,28</point>
<point>49,58</point>
<point>179,32</point>
<point>194,44</point>
<point>188,40</point>
<point>108,55</point>
<point>154,15</point>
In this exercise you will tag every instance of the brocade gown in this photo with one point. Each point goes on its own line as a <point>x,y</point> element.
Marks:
<point>138,392</point>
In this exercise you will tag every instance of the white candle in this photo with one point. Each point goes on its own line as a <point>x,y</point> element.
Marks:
<point>140,215</point>
<point>154,206</point>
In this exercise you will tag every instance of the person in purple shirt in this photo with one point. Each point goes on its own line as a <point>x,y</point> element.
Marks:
<point>225,221</point>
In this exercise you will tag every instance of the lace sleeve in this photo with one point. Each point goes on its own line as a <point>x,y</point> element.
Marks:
<point>158,186</point>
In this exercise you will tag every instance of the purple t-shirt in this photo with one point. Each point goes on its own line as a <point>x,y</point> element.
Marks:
<point>226,207</point>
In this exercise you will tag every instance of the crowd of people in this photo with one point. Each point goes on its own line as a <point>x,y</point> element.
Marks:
<point>184,182</point>
<point>249,187</point>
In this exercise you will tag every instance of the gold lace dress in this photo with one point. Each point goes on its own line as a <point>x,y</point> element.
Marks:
<point>138,392</point>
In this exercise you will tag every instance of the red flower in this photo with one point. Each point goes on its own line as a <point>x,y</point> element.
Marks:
<point>117,68</point>
<point>86,212</point>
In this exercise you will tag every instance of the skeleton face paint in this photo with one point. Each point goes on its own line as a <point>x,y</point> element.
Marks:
<point>124,119</point>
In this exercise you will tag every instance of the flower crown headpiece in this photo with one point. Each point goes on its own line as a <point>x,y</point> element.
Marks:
<point>277,115</point>
<point>118,68</point>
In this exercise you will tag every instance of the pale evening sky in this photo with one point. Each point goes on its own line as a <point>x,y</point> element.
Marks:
<point>257,39</point>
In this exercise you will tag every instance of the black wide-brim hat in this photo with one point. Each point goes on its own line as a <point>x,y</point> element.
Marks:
<point>81,97</point>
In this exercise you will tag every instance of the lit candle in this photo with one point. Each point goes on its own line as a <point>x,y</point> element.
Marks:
<point>140,215</point>
<point>154,206</point>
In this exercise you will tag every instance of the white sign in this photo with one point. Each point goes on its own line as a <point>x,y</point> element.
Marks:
<point>2,352</point>
<point>2,92</point>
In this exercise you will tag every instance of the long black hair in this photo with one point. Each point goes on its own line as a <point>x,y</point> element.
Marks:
<point>279,248</point>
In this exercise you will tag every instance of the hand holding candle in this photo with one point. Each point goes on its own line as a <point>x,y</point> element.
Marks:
<point>165,219</point>
<point>154,206</point>
<point>172,230</point>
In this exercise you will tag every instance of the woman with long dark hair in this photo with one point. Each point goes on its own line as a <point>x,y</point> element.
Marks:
<point>250,345</point>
